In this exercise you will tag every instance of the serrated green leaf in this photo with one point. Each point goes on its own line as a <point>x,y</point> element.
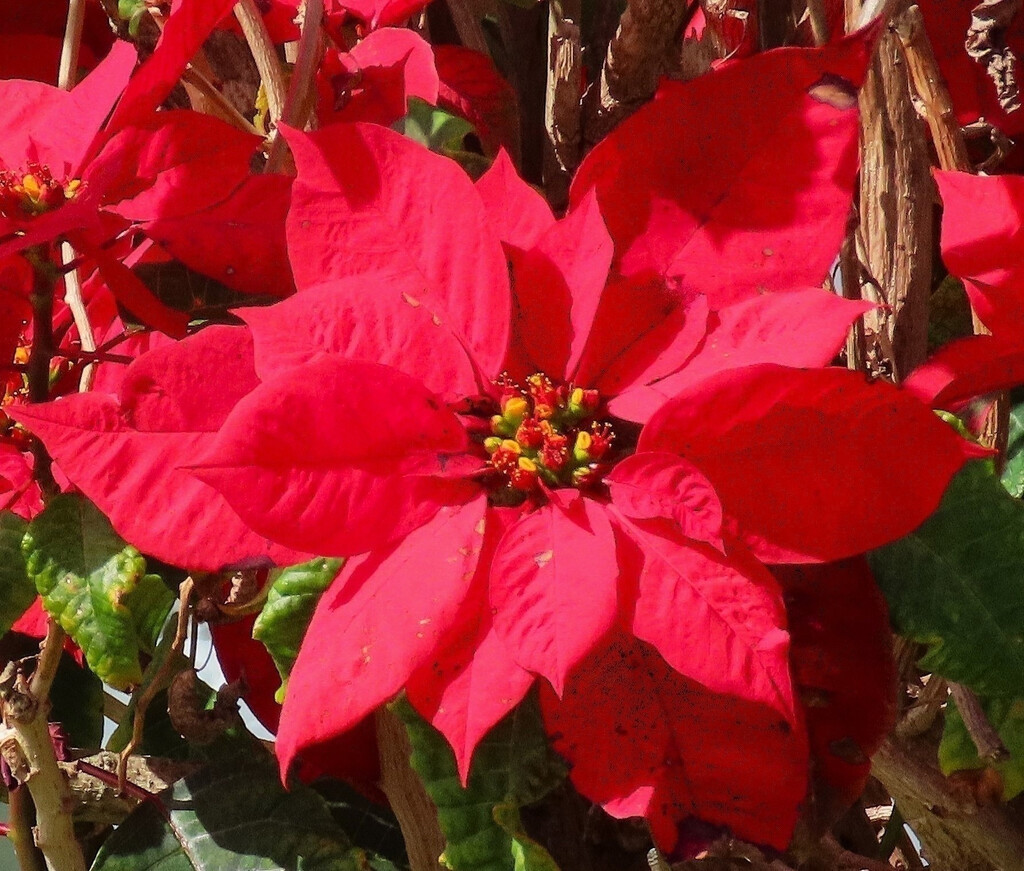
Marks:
<point>1013,471</point>
<point>233,814</point>
<point>17,591</point>
<point>293,595</point>
<point>957,584</point>
<point>513,766</point>
<point>958,753</point>
<point>87,577</point>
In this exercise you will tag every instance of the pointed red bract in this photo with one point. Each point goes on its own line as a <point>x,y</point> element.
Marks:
<point>393,453</point>
<point>122,451</point>
<point>380,620</point>
<point>517,212</point>
<point>375,318</point>
<point>800,328</point>
<point>644,741</point>
<point>472,681</point>
<point>554,587</point>
<point>359,204</point>
<point>564,272</point>
<point>375,80</point>
<point>732,604</point>
<point>184,33</point>
<point>768,438</point>
<point>983,243</point>
<point>766,210</point>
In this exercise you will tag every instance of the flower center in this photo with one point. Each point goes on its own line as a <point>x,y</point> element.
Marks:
<point>547,434</point>
<point>34,191</point>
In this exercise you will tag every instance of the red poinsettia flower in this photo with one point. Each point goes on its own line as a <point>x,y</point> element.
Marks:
<point>32,35</point>
<point>527,473</point>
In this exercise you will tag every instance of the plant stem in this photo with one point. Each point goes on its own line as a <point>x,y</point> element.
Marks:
<point>986,739</point>
<point>72,43</point>
<point>261,45</point>
<point>20,832</point>
<point>41,298</point>
<point>299,101</point>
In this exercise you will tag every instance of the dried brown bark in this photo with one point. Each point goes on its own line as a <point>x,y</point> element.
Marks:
<point>633,62</point>
<point>896,204</point>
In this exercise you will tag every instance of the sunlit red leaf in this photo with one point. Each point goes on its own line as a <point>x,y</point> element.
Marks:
<point>374,318</point>
<point>517,212</point>
<point>815,503</point>
<point>375,625</point>
<point>473,680</point>
<point>123,451</point>
<point>803,328</point>
<point>554,587</point>
<point>650,486</point>
<point>737,208</point>
<point>375,80</point>
<point>359,204</point>
<point>390,463</point>
<point>732,604</point>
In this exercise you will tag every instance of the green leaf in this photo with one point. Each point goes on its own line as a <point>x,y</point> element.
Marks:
<point>17,591</point>
<point>77,704</point>
<point>96,586</point>
<point>949,313</point>
<point>293,595</point>
<point>958,753</point>
<point>527,854</point>
<point>957,584</point>
<point>438,130</point>
<point>1013,471</point>
<point>370,825</point>
<point>513,766</point>
<point>233,814</point>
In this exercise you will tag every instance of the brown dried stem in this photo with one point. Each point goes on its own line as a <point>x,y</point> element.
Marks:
<point>951,148</point>
<point>633,61</point>
<point>562,98</point>
<point>416,813</point>
<point>299,102</point>
<point>72,44</point>
<point>986,739</point>
<point>158,681</point>
<point>254,28</point>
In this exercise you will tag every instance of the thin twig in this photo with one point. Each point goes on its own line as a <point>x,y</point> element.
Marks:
<point>154,686</point>
<point>224,110</point>
<point>72,44</point>
<point>73,297</point>
<point>986,739</point>
<point>51,649</point>
<point>299,101</point>
<point>254,28</point>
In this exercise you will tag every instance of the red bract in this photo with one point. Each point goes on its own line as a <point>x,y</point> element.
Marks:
<point>982,243</point>
<point>510,522</point>
<point>121,450</point>
<point>736,208</point>
<point>374,81</point>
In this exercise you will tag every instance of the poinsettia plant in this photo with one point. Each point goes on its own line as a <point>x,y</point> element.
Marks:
<point>516,416</point>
